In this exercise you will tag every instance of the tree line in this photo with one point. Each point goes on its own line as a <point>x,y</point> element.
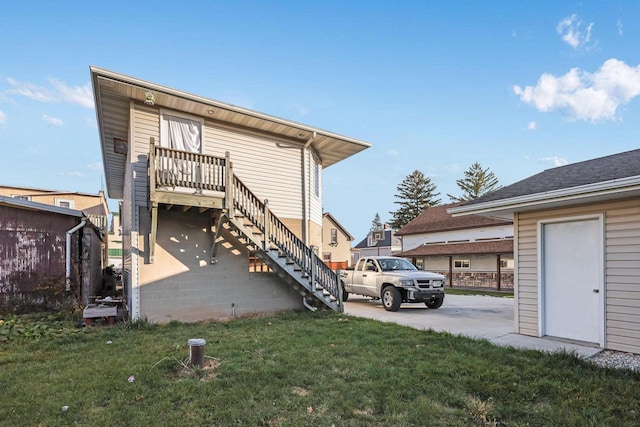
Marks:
<point>417,192</point>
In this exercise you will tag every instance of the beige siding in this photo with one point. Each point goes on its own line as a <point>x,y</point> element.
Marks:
<point>183,284</point>
<point>622,269</point>
<point>270,172</point>
<point>146,125</point>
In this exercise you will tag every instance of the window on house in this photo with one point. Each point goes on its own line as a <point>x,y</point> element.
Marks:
<point>420,263</point>
<point>506,263</point>
<point>181,133</point>
<point>326,257</point>
<point>64,203</point>
<point>461,263</point>
<point>317,179</point>
<point>334,236</point>
<point>20,197</point>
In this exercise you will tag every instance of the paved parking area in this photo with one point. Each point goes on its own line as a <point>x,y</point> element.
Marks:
<point>475,316</point>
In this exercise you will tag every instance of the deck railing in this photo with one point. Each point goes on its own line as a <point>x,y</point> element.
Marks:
<point>176,168</point>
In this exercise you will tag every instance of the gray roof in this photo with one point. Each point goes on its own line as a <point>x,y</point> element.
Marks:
<point>602,169</point>
<point>386,242</point>
<point>27,204</point>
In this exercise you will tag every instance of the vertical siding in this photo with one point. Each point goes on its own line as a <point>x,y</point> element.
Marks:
<point>315,201</point>
<point>622,269</point>
<point>269,171</point>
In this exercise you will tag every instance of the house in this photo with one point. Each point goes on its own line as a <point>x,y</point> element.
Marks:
<point>45,249</point>
<point>114,235</point>
<point>378,242</point>
<point>577,250</point>
<point>470,250</point>
<point>221,205</point>
<point>336,243</point>
<point>94,206</point>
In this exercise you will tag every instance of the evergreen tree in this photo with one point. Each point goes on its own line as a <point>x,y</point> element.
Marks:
<point>416,193</point>
<point>476,182</point>
<point>376,224</point>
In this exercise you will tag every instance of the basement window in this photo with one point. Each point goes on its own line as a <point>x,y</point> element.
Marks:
<point>257,266</point>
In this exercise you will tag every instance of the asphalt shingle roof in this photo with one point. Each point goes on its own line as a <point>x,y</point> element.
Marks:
<point>436,218</point>
<point>602,169</point>
<point>503,246</point>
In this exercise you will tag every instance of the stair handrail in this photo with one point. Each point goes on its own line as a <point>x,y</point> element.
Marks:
<point>277,233</point>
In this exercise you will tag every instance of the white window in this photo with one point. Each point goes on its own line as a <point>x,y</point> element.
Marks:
<point>334,236</point>
<point>65,203</point>
<point>316,171</point>
<point>461,263</point>
<point>20,197</point>
<point>506,263</point>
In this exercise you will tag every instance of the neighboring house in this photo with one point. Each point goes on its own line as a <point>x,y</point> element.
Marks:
<point>115,241</point>
<point>209,190</point>
<point>336,243</point>
<point>577,250</point>
<point>45,246</point>
<point>94,206</point>
<point>378,242</point>
<point>471,250</point>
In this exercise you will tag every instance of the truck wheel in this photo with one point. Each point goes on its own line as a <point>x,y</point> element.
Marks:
<point>345,295</point>
<point>435,303</point>
<point>391,298</point>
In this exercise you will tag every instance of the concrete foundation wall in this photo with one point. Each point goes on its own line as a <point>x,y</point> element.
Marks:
<point>182,284</point>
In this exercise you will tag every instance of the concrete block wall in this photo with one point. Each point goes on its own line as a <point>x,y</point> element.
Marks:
<point>182,284</point>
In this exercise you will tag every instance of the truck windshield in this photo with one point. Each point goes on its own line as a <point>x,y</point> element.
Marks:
<point>394,264</point>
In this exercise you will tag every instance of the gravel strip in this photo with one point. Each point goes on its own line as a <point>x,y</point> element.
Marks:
<point>617,360</point>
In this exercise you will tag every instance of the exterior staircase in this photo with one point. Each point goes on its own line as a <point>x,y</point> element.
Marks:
<point>245,216</point>
<point>268,239</point>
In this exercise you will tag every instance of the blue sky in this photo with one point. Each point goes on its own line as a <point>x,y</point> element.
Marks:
<point>519,86</point>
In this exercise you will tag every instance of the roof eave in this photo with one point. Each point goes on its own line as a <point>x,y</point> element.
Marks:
<point>352,145</point>
<point>606,190</point>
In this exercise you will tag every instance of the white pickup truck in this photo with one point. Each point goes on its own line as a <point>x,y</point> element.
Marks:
<point>394,280</point>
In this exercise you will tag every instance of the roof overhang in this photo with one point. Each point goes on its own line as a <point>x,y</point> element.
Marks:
<point>598,192</point>
<point>113,93</point>
<point>37,206</point>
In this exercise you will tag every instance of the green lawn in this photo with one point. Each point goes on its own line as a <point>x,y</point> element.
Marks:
<point>296,369</point>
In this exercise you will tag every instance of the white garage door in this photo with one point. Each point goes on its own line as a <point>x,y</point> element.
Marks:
<point>572,264</point>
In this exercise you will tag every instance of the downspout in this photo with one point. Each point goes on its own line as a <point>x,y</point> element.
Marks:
<point>68,252</point>
<point>306,200</point>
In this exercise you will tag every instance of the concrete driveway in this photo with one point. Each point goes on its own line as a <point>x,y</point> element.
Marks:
<point>475,316</point>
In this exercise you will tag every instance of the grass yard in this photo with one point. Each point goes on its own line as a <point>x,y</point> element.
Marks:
<point>296,369</point>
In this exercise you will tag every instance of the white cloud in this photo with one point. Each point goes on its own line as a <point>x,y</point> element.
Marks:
<point>573,32</point>
<point>583,95</point>
<point>52,120</point>
<point>3,117</point>
<point>96,166</point>
<point>619,25</point>
<point>393,153</point>
<point>531,126</point>
<point>555,160</point>
<point>58,92</point>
